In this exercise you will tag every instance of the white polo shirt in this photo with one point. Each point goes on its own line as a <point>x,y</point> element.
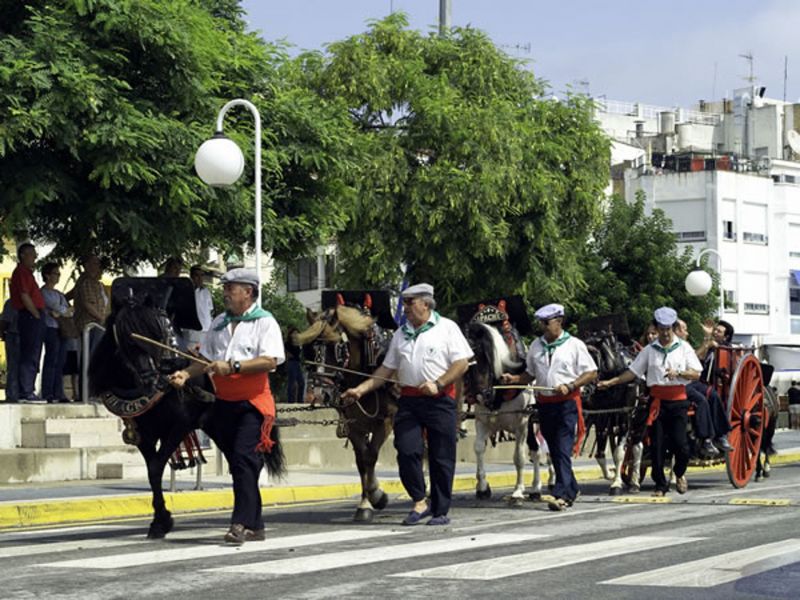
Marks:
<point>260,337</point>
<point>567,362</point>
<point>205,307</point>
<point>427,357</point>
<point>652,362</point>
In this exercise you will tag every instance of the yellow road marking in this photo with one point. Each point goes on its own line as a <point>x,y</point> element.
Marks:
<point>642,499</point>
<point>761,501</point>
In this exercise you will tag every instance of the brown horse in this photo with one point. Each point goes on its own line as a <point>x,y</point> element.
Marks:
<point>348,337</point>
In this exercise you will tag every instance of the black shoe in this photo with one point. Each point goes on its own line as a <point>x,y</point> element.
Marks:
<point>708,449</point>
<point>723,444</point>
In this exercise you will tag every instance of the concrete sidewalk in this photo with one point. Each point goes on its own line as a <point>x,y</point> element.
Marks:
<point>25,505</point>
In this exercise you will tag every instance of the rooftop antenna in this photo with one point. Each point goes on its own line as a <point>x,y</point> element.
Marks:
<point>748,56</point>
<point>714,84</point>
<point>785,75</point>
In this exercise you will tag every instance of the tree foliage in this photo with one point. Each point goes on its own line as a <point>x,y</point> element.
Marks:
<point>632,266</point>
<point>103,104</point>
<point>472,178</point>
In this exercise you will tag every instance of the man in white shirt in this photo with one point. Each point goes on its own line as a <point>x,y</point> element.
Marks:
<point>243,346</point>
<point>428,355</point>
<point>204,306</point>
<point>668,364</point>
<point>561,362</point>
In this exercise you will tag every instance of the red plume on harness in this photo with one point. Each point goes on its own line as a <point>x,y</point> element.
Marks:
<point>368,301</point>
<point>339,300</point>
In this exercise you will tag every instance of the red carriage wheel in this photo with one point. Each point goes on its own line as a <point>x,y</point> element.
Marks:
<point>746,414</point>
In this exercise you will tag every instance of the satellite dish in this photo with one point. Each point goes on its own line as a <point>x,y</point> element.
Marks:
<point>793,139</point>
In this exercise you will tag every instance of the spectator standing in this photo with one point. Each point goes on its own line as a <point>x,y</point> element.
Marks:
<point>55,346</point>
<point>29,302</point>
<point>204,305</point>
<point>296,382</point>
<point>794,405</point>
<point>10,336</point>
<point>91,302</point>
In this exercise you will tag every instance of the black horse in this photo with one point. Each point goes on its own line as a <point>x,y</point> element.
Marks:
<point>130,376</point>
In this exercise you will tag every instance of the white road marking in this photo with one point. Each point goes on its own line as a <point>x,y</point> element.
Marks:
<point>106,542</point>
<point>10,534</point>
<point>194,552</point>
<point>718,569</point>
<point>545,515</point>
<point>550,558</point>
<point>350,558</point>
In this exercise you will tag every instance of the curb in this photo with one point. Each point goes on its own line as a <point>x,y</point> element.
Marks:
<point>100,508</point>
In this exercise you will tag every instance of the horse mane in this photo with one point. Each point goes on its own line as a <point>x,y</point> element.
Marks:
<point>143,320</point>
<point>355,322</point>
<point>497,353</point>
<point>314,330</point>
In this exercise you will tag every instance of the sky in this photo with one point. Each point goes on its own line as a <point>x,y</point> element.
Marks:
<point>669,53</point>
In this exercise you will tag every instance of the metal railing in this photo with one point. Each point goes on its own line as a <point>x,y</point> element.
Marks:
<point>652,111</point>
<point>86,352</point>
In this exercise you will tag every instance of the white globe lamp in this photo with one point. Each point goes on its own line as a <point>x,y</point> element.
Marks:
<point>698,283</point>
<point>219,161</point>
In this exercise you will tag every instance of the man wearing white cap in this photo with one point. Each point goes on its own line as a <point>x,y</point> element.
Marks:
<point>243,345</point>
<point>428,355</point>
<point>668,364</point>
<point>561,362</point>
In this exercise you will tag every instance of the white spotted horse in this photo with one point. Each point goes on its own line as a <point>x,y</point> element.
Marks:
<point>343,345</point>
<point>498,349</point>
<point>609,411</point>
<point>130,376</point>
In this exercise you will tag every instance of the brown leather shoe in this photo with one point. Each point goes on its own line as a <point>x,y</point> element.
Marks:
<point>255,535</point>
<point>236,534</point>
<point>681,485</point>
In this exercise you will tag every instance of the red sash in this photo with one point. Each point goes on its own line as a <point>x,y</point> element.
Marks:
<point>410,390</point>
<point>252,387</point>
<point>573,395</point>
<point>665,393</point>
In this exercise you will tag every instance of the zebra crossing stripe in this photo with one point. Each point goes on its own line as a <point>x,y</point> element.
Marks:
<point>550,558</point>
<point>95,543</point>
<point>351,558</point>
<point>718,569</point>
<point>183,551</point>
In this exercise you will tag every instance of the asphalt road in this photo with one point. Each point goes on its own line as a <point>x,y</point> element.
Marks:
<point>712,543</point>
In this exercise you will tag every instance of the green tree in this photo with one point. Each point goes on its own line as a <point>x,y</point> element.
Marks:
<point>103,104</point>
<point>471,177</point>
<point>632,266</point>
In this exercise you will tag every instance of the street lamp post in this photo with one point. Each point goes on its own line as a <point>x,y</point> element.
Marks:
<point>220,162</point>
<point>698,282</point>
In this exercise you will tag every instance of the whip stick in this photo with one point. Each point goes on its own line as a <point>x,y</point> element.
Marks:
<point>367,375</point>
<point>142,338</point>
<point>535,388</point>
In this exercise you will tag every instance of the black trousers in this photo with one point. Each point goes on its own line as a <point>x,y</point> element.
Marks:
<point>236,428</point>
<point>437,416</point>
<point>710,418</point>
<point>669,431</point>
<point>557,422</point>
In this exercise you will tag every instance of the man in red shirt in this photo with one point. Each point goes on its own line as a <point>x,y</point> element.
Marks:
<point>27,298</point>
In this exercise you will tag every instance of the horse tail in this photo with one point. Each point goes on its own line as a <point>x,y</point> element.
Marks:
<point>275,459</point>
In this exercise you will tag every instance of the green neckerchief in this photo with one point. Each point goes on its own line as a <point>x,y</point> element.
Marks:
<point>665,351</point>
<point>250,315</point>
<point>414,334</point>
<point>550,347</point>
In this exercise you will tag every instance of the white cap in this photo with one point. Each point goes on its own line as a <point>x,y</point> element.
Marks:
<point>549,311</point>
<point>420,289</point>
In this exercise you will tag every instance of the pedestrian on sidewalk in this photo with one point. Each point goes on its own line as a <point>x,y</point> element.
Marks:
<point>243,346</point>
<point>668,365</point>
<point>428,355</point>
<point>10,336</point>
<point>295,379</point>
<point>55,344</point>
<point>204,306</point>
<point>561,362</point>
<point>27,298</point>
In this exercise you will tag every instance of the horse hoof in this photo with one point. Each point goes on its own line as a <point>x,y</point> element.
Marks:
<point>159,528</point>
<point>766,474</point>
<point>634,489</point>
<point>614,491</point>
<point>380,501</point>
<point>363,515</point>
<point>535,496</point>
<point>516,501</point>
<point>484,494</point>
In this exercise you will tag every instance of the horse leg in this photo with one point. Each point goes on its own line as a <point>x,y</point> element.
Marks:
<point>600,455</point>
<point>156,461</point>
<point>377,497</point>
<point>636,468</point>
<point>520,433</point>
<point>482,489</point>
<point>364,511</point>
<point>618,452</point>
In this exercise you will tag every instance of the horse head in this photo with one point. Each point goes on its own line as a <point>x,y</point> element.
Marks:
<point>340,337</point>
<point>494,355</point>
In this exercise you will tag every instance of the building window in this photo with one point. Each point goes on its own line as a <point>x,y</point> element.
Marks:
<point>754,308</point>
<point>754,238</point>
<point>776,178</point>
<point>728,232</point>
<point>690,236</point>
<point>730,301</point>
<point>794,301</point>
<point>302,275</point>
<point>788,178</point>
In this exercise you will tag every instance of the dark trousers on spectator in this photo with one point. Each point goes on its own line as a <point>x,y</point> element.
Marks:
<point>296,384</point>
<point>557,422</point>
<point>236,427</point>
<point>669,432</point>
<point>31,336</point>
<point>55,354</point>
<point>12,366</point>
<point>437,416</point>
<point>710,418</point>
